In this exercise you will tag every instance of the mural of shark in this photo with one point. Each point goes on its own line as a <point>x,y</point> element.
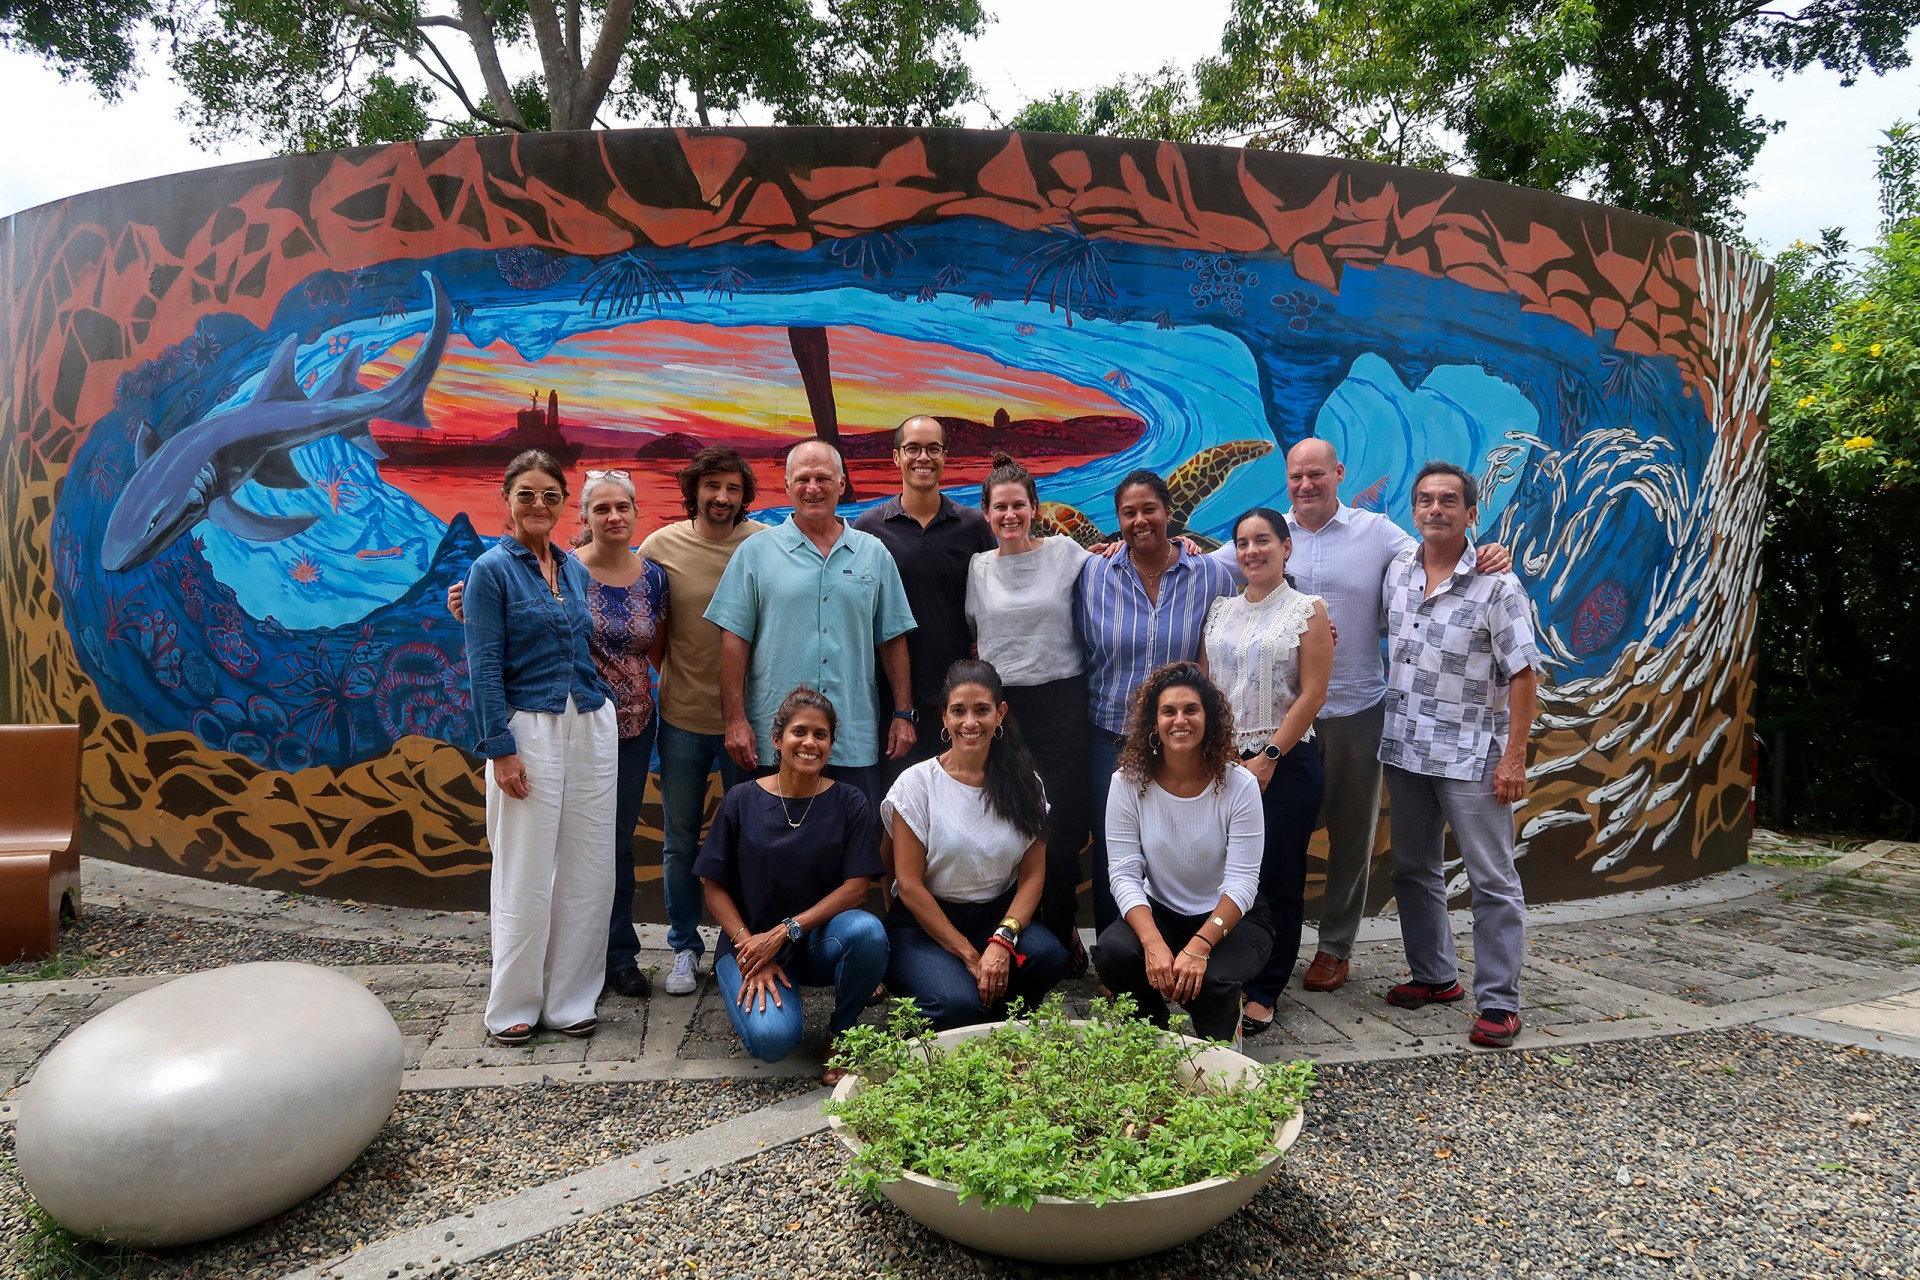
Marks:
<point>196,474</point>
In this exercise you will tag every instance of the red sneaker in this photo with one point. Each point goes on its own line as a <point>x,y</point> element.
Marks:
<point>1412,995</point>
<point>1495,1029</point>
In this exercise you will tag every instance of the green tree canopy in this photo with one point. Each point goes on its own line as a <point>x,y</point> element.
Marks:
<point>311,74</point>
<point>1162,105</point>
<point>1633,104</point>
<point>96,40</point>
<point>1839,692</point>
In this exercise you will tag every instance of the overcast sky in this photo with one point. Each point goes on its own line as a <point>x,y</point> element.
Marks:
<point>1817,172</point>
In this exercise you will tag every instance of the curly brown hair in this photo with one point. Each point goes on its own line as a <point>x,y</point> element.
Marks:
<point>1139,754</point>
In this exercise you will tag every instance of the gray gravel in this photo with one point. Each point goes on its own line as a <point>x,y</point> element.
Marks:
<point>1707,1155</point>
<point>440,1153</point>
<point>113,941</point>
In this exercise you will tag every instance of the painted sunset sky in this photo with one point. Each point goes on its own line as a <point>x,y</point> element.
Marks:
<point>730,383</point>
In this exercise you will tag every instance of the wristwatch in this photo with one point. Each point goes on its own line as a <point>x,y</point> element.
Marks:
<point>1272,752</point>
<point>794,931</point>
<point>908,715</point>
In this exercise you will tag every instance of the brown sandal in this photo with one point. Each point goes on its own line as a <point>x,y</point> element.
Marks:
<point>830,1075</point>
<point>513,1036</point>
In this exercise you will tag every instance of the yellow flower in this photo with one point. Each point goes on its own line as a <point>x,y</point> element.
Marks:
<point>1776,362</point>
<point>1860,442</point>
<point>1874,350</point>
<point>1839,347</point>
<point>1805,402</point>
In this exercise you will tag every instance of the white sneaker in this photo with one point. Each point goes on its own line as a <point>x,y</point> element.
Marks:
<point>686,973</point>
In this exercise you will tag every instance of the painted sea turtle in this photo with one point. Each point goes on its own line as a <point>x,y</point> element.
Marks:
<point>1191,484</point>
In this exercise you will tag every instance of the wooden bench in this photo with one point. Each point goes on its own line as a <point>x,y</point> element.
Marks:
<point>39,869</point>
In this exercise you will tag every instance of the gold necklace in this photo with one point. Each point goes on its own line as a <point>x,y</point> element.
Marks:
<point>793,823</point>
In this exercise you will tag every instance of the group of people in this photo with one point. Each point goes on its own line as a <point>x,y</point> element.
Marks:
<point>939,699</point>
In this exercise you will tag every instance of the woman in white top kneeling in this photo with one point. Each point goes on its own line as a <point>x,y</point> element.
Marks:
<point>969,859</point>
<point>1184,838</point>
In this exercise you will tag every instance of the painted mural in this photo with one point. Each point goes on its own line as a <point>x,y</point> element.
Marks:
<point>255,420</point>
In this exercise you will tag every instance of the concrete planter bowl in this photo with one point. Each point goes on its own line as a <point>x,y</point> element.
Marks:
<point>1079,1231</point>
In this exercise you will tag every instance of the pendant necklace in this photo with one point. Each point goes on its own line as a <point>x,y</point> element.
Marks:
<point>552,574</point>
<point>793,823</point>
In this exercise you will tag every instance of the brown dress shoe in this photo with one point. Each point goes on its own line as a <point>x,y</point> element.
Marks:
<point>1326,973</point>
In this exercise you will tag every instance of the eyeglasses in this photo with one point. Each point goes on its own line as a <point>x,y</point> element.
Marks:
<point>608,475</point>
<point>546,497</point>
<point>922,450</point>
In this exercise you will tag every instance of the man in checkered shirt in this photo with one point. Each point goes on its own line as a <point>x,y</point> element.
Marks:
<point>1460,668</point>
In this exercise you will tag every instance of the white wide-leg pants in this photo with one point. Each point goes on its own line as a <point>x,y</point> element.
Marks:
<point>552,885</point>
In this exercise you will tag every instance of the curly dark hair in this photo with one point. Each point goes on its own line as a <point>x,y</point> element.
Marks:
<point>1139,754</point>
<point>715,460</point>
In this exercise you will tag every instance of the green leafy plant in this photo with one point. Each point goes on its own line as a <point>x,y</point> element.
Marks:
<point>1047,1106</point>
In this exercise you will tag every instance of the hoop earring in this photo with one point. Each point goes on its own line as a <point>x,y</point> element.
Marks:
<point>1153,743</point>
<point>946,734</point>
<point>1000,731</point>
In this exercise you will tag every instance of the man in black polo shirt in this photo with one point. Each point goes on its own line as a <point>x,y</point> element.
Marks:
<point>932,539</point>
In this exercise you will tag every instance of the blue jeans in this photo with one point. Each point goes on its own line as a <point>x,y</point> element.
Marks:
<point>939,983</point>
<point>629,789</point>
<point>849,954</point>
<point>686,758</point>
<point>1103,753</point>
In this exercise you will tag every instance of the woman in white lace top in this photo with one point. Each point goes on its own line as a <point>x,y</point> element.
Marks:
<point>1271,650</point>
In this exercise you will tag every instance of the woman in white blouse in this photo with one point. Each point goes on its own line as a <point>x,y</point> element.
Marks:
<point>969,860</point>
<point>1020,605</point>
<point>1183,845</point>
<point>1271,651</point>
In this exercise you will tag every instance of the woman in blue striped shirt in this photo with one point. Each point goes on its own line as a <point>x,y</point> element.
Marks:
<point>1141,609</point>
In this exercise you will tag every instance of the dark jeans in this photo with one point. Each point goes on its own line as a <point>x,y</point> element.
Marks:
<point>629,789</point>
<point>1053,720</point>
<point>1122,962</point>
<point>848,953</point>
<point>1291,806</point>
<point>920,968</point>
<point>1103,753</point>
<point>686,759</point>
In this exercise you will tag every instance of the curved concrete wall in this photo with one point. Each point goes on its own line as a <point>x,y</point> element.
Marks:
<point>293,711</point>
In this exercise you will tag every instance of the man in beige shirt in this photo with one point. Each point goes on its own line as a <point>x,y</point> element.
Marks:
<point>717,486</point>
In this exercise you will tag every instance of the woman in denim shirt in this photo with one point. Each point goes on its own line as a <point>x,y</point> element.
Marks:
<point>548,733</point>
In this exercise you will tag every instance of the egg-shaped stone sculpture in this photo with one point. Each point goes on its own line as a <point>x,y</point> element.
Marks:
<point>207,1104</point>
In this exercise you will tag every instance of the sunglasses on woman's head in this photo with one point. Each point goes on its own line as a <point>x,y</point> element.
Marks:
<point>608,475</point>
<point>546,497</point>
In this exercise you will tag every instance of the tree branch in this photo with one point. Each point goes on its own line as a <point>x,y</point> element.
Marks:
<point>597,76</point>
<point>479,29</point>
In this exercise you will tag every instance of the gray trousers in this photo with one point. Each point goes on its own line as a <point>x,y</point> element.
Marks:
<point>1350,757</point>
<point>1421,809</point>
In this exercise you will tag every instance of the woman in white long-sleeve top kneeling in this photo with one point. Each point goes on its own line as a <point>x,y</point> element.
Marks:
<point>1184,839</point>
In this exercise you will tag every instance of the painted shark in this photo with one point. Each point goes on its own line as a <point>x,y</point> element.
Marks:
<point>196,474</point>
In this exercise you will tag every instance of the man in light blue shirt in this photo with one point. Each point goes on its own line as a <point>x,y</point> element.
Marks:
<point>809,602</point>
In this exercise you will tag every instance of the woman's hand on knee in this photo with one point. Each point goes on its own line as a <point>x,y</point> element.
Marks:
<point>764,984</point>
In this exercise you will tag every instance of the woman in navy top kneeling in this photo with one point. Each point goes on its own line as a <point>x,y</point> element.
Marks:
<point>785,868</point>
